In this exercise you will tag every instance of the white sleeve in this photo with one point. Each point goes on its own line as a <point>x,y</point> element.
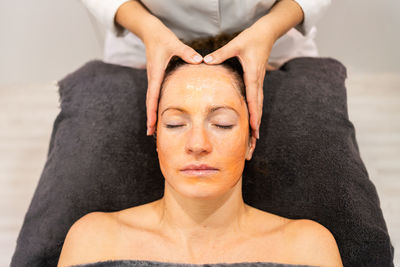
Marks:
<point>313,11</point>
<point>104,11</point>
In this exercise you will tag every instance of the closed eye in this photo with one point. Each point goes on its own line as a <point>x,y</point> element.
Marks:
<point>171,126</point>
<point>174,125</point>
<point>224,126</point>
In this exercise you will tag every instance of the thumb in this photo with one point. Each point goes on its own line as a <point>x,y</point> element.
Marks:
<point>188,54</point>
<point>155,76</point>
<point>221,54</point>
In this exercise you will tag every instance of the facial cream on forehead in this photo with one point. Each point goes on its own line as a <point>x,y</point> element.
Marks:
<point>200,83</point>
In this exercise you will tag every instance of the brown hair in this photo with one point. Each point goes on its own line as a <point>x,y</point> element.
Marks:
<point>205,46</point>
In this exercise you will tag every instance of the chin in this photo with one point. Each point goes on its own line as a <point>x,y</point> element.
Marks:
<point>197,193</point>
<point>202,188</point>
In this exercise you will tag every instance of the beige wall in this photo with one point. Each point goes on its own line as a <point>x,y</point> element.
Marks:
<point>365,35</point>
<point>43,40</point>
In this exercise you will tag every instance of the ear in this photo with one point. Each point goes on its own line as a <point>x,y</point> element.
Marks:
<point>251,147</point>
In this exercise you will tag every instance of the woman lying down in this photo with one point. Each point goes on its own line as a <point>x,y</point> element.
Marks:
<point>203,140</point>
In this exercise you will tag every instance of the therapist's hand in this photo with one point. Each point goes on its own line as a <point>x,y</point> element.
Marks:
<point>252,47</point>
<point>161,45</point>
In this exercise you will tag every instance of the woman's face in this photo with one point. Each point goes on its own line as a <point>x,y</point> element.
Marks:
<point>202,131</point>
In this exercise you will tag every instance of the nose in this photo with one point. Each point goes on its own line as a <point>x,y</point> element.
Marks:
<point>198,142</point>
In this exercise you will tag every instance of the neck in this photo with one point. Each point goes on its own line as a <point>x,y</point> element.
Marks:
<point>200,220</point>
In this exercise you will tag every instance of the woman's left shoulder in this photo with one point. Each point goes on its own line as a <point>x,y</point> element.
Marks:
<point>312,242</point>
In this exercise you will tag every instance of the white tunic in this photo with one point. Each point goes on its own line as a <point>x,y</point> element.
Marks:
<point>190,19</point>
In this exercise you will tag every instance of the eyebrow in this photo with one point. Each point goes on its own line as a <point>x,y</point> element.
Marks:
<point>211,109</point>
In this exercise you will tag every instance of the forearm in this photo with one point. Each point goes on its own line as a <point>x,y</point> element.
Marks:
<point>135,18</point>
<point>283,16</point>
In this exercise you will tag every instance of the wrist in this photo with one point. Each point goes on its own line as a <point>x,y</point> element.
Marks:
<point>134,17</point>
<point>283,16</point>
<point>150,28</point>
<point>265,28</point>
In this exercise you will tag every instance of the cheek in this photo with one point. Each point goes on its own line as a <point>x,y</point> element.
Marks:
<point>231,149</point>
<point>169,148</point>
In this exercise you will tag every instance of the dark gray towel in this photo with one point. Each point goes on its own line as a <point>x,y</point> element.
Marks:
<point>306,163</point>
<point>138,263</point>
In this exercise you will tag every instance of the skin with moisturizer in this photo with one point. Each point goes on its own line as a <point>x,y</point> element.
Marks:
<point>202,131</point>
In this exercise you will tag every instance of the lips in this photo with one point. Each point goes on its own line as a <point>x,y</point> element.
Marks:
<point>199,170</point>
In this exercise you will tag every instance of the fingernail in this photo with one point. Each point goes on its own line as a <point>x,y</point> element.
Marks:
<point>148,131</point>
<point>208,59</point>
<point>197,58</point>
<point>258,134</point>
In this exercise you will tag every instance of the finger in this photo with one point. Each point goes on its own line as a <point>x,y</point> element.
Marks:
<point>252,100</point>
<point>260,98</point>
<point>220,55</point>
<point>261,95</point>
<point>188,54</point>
<point>260,109</point>
<point>269,67</point>
<point>155,76</point>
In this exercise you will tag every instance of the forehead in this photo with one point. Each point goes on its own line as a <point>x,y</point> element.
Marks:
<point>201,84</point>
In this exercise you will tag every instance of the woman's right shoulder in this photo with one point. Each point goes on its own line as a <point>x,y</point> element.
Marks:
<point>94,225</point>
<point>88,238</point>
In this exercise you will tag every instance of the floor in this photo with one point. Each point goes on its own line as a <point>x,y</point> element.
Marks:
<point>27,113</point>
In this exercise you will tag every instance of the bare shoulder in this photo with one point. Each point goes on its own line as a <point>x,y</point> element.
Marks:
<point>97,236</point>
<point>87,239</point>
<point>312,243</point>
